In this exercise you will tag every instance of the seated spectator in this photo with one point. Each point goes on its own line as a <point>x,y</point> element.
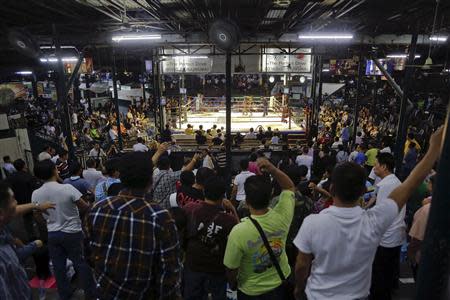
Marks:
<point>76,181</point>
<point>260,135</point>
<point>140,146</point>
<point>269,133</point>
<point>189,130</point>
<point>200,138</point>
<point>91,175</point>
<point>238,138</point>
<point>208,224</point>
<point>336,144</point>
<point>166,134</point>
<point>250,135</point>
<point>261,277</point>
<point>217,141</point>
<point>320,236</point>
<point>97,153</point>
<point>152,253</point>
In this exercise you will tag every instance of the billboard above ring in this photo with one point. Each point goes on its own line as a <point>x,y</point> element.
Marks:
<point>274,62</point>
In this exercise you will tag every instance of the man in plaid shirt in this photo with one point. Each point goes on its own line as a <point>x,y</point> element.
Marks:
<point>134,242</point>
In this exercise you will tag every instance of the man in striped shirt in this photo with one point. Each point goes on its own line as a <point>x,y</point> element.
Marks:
<point>134,242</point>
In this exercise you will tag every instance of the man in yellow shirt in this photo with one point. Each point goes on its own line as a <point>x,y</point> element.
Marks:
<point>189,130</point>
<point>410,139</point>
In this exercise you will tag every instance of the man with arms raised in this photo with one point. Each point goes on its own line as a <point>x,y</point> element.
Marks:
<point>337,246</point>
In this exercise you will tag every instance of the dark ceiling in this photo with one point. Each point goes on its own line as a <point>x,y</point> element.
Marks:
<point>82,22</point>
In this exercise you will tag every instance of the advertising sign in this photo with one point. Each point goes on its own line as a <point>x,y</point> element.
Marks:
<point>283,63</point>
<point>186,64</point>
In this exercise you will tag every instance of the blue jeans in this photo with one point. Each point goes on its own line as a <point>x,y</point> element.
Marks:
<point>63,246</point>
<point>197,285</point>
<point>277,293</point>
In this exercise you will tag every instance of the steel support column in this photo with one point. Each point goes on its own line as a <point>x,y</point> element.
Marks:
<point>34,86</point>
<point>87,95</point>
<point>62,98</point>
<point>311,130</point>
<point>319,96</point>
<point>155,103</point>
<point>116,99</point>
<point>402,126</point>
<point>358,95</point>
<point>228,112</point>
<point>433,278</point>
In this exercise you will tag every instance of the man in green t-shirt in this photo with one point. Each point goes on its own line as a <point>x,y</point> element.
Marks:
<point>371,155</point>
<point>249,267</point>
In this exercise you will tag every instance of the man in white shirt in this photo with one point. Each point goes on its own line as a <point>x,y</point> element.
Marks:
<point>113,134</point>
<point>91,175</point>
<point>387,258</point>
<point>352,156</point>
<point>45,154</point>
<point>8,166</point>
<point>97,152</point>
<point>140,147</point>
<point>305,160</point>
<point>336,144</point>
<point>337,246</point>
<point>238,192</point>
<point>65,237</point>
<point>251,135</point>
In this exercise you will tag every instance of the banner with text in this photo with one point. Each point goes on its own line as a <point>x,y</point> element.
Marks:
<point>186,64</point>
<point>274,62</point>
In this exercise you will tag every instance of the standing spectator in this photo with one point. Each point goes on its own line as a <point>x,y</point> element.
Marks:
<point>64,228</point>
<point>166,134</point>
<point>353,154</point>
<point>97,153</point>
<point>320,237</point>
<point>342,155</point>
<point>336,144</point>
<point>200,138</point>
<point>269,133</point>
<point>23,184</point>
<point>238,193</point>
<point>305,160</point>
<point>221,159</point>
<point>165,180</point>
<point>8,167</point>
<point>411,139</point>
<point>387,258</point>
<point>245,253</point>
<point>140,146</point>
<point>112,176</point>
<point>207,159</point>
<point>410,160</point>
<point>361,157</point>
<point>45,154</point>
<point>253,165</point>
<point>91,175</point>
<point>358,139</point>
<point>208,224</point>
<point>62,164</point>
<point>149,266</point>
<point>217,140</point>
<point>76,181</point>
<point>345,135</point>
<point>371,155</point>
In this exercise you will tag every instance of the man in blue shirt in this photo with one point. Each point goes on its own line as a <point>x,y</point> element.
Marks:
<point>345,135</point>
<point>76,181</point>
<point>112,170</point>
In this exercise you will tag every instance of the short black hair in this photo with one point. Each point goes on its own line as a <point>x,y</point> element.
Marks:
<point>203,174</point>
<point>296,173</point>
<point>5,194</point>
<point>386,159</point>
<point>75,168</point>
<point>187,178</point>
<point>258,191</point>
<point>44,169</point>
<point>410,135</point>
<point>253,157</point>
<point>114,189</point>
<point>6,158</point>
<point>136,170</point>
<point>340,147</point>
<point>215,188</point>
<point>19,164</point>
<point>91,163</point>
<point>244,164</point>
<point>111,166</point>
<point>140,140</point>
<point>164,163</point>
<point>348,182</point>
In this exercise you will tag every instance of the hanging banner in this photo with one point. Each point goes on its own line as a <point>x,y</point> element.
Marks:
<point>283,63</point>
<point>186,64</point>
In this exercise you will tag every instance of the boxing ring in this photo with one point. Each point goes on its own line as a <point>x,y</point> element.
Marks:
<point>247,112</point>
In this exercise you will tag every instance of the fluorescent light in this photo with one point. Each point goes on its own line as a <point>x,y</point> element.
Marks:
<point>401,55</point>
<point>53,47</point>
<point>271,79</point>
<point>438,38</point>
<point>326,36</point>
<point>325,70</point>
<point>119,38</point>
<point>302,79</point>
<point>70,59</point>
<point>187,56</point>
<point>24,72</point>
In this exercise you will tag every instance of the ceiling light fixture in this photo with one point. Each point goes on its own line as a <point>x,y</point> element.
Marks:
<point>119,38</point>
<point>187,56</point>
<point>401,55</point>
<point>326,36</point>
<point>325,70</point>
<point>271,79</point>
<point>54,59</point>
<point>438,38</point>
<point>24,72</point>
<point>302,79</point>
<point>53,47</point>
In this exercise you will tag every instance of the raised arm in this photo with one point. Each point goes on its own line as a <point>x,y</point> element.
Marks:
<point>283,180</point>
<point>190,166</point>
<point>402,193</point>
<point>161,149</point>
